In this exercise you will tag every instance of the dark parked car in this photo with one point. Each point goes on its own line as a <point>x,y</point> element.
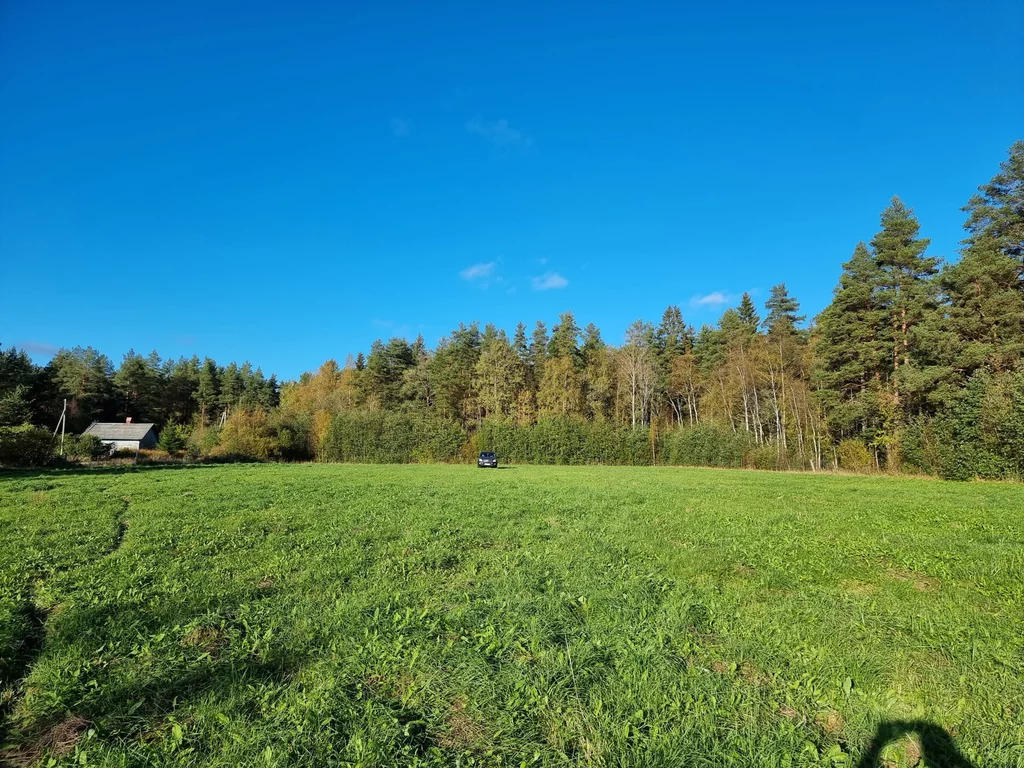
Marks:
<point>488,459</point>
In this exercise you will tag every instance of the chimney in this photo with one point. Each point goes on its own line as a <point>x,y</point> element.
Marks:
<point>128,420</point>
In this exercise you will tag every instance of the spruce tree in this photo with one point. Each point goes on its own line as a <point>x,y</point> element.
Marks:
<point>748,313</point>
<point>538,351</point>
<point>565,338</point>
<point>208,390</point>
<point>520,344</point>
<point>671,336</point>
<point>592,342</point>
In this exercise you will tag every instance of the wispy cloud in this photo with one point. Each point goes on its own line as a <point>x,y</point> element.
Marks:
<point>480,271</point>
<point>392,328</point>
<point>499,133</point>
<point>37,348</point>
<point>400,127</point>
<point>549,281</point>
<point>713,299</point>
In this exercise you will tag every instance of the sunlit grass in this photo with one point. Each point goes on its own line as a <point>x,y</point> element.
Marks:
<point>437,615</point>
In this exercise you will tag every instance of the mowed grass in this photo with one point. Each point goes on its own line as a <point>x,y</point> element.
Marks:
<point>444,615</point>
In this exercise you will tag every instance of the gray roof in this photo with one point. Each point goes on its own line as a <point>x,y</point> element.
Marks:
<point>118,430</point>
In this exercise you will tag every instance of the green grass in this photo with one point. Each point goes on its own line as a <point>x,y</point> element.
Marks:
<point>444,615</point>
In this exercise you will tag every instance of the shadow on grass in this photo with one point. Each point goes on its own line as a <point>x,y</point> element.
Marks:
<point>118,469</point>
<point>27,649</point>
<point>938,750</point>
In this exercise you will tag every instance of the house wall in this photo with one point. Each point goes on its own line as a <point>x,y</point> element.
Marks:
<point>149,441</point>
<point>117,445</point>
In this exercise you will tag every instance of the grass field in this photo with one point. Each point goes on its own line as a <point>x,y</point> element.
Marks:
<point>438,615</point>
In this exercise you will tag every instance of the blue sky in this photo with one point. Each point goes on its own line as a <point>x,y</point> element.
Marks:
<point>285,182</point>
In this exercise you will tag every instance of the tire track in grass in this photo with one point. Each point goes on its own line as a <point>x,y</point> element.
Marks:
<point>29,645</point>
<point>120,525</point>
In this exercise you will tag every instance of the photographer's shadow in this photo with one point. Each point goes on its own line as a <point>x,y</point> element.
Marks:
<point>937,747</point>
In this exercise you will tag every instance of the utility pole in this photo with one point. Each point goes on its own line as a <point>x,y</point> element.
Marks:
<point>61,423</point>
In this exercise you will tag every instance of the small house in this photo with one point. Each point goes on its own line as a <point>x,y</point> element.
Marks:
<point>120,435</point>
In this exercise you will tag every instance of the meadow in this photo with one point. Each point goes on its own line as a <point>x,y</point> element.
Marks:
<point>414,615</point>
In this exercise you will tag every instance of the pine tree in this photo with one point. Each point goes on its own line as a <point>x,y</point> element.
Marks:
<point>138,383</point>
<point>782,309</point>
<point>905,282</point>
<point>996,213</point>
<point>17,377</point>
<point>382,379</point>
<point>986,308</point>
<point>419,349</point>
<point>83,375</point>
<point>451,373</point>
<point>852,349</point>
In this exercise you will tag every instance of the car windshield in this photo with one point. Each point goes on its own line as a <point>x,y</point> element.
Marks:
<point>487,455</point>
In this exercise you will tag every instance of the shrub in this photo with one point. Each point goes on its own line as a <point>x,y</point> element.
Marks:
<point>765,457</point>
<point>82,447</point>
<point>25,446</point>
<point>293,435</point>
<point>854,456</point>
<point>173,439</point>
<point>246,435</point>
<point>202,441</point>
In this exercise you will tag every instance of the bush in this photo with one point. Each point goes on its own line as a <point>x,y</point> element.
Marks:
<point>975,431</point>
<point>85,447</point>
<point>173,439</point>
<point>25,446</point>
<point>293,435</point>
<point>202,442</point>
<point>854,456</point>
<point>246,435</point>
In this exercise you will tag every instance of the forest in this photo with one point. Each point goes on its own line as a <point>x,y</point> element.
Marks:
<point>916,365</point>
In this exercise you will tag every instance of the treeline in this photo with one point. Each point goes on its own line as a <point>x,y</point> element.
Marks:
<point>145,388</point>
<point>914,366</point>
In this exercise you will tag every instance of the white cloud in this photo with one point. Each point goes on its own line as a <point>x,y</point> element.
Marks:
<point>478,271</point>
<point>712,299</point>
<point>549,281</point>
<point>400,127</point>
<point>499,133</point>
<point>36,348</point>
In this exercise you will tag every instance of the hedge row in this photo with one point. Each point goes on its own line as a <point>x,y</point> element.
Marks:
<point>391,438</point>
<point>564,441</point>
